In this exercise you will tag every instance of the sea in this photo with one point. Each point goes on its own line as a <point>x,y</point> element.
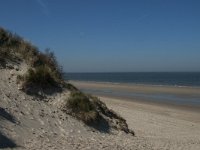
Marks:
<point>150,78</point>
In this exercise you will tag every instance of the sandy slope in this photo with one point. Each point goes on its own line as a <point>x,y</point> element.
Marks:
<point>28,122</point>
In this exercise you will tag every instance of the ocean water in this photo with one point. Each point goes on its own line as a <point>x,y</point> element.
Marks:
<point>162,78</point>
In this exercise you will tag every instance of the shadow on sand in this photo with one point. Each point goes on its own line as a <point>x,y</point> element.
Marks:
<point>40,93</point>
<point>101,125</point>
<point>5,115</point>
<point>6,142</point>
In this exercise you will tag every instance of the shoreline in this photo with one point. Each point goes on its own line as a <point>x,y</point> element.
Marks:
<point>182,92</point>
<point>129,85</point>
<point>137,84</point>
<point>156,108</point>
<point>188,108</point>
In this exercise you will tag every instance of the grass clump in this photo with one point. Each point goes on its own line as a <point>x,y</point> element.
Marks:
<point>42,77</point>
<point>80,106</point>
<point>44,69</point>
<point>94,112</point>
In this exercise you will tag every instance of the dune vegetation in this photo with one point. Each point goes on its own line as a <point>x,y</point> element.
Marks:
<point>44,70</point>
<point>44,73</point>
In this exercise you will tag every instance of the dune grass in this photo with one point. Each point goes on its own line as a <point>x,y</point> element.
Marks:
<point>41,76</point>
<point>94,112</point>
<point>44,70</point>
<point>80,106</point>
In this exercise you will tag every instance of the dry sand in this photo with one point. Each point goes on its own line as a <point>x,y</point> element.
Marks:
<point>161,126</point>
<point>34,123</point>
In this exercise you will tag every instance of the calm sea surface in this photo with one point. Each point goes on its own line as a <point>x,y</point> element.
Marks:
<point>164,78</point>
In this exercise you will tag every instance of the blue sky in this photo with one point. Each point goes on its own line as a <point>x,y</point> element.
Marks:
<point>111,35</point>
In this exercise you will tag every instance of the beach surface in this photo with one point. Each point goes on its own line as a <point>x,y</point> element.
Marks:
<point>161,125</point>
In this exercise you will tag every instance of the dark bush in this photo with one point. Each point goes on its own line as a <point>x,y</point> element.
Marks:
<point>79,106</point>
<point>79,102</point>
<point>41,77</point>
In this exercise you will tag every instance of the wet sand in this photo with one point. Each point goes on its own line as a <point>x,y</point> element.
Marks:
<point>187,98</point>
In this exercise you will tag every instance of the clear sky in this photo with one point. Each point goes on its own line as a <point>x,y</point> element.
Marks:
<point>111,35</point>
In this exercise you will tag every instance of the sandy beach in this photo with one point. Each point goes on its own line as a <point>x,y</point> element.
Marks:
<point>29,122</point>
<point>160,125</point>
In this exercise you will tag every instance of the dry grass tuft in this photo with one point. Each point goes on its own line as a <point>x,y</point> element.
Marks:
<point>44,70</point>
<point>41,76</point>
<point>93,112</point>
<point>80,106</point>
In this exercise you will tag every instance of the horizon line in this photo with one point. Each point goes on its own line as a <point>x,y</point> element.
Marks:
<point>138,72</point>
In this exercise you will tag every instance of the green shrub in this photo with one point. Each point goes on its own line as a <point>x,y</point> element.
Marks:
<point>41,77</point>
<point>94,113</point>
<point>79,102</point>
<point>80,106</point>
